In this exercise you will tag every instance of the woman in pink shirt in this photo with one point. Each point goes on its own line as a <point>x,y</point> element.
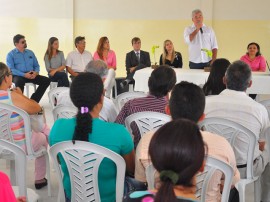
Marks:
<point>104,53</point>
<point>254,58</point>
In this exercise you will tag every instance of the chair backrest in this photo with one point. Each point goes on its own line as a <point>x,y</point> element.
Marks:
<point>64,112</point>
<point>124,97</point>
<point>6,112</point>
<point>83,160</point>
<point>17,154</point>
<point>266,103</point>
<point>241,139</point>
<point>53,94</point>
<point>202,179</point>
<point>147,121</point>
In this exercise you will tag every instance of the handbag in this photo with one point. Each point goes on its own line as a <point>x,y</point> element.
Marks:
<point>38,121</point>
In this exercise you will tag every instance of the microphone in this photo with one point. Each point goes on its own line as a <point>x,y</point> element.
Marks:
<point>201,30</point>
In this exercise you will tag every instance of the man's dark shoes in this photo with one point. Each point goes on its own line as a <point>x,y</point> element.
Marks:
<point>42,184</point>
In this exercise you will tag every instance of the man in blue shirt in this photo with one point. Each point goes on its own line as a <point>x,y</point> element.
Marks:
<point>25,68</point>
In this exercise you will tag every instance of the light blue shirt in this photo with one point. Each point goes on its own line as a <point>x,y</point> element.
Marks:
<point>22,62</point>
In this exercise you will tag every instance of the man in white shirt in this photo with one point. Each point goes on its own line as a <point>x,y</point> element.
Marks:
<point>188,101</point>
<point>78,59</point>
<point>108,112</point>
<point>202,42</point>
<point>234,104</point>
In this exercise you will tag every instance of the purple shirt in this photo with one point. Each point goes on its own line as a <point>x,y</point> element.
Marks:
<point>149,103</point>
<point>257,64</point>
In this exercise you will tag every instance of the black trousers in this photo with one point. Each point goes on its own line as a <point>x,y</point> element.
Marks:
<point>42,82</point>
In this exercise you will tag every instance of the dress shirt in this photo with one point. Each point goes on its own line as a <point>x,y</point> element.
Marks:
<point>218,147</point>
<point>22,62</point>
<point>238,107</point>
<point>206,40</point>
<point>108,112</point>
<point>78,61</point>
<point>258,64</point>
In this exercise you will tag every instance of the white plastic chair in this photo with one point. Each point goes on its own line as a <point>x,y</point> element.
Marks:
<point>202,179</point>
<point>53,85</point>
<point>53,94</point>
<point>237,135</point>
<point>6,134</point>
<point>147,121</point>
<point>64,112</point>
<point>27,86</point>
<point>266,103</point>
<point>83,160</point>
<point>16,154</point>
<point>121,99</point>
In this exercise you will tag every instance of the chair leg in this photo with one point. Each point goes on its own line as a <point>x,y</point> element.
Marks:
<point>48,174</point>
<point>257,190</point>
<point>241,190</point>
<point>27,90</point>
<point>13,179</point>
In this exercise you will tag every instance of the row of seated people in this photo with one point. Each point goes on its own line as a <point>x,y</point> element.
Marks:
<point>164,84</point>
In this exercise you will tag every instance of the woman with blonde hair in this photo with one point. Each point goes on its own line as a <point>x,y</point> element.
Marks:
<point>105,53</point>
<point>170,56</point>
<point>55,63</point>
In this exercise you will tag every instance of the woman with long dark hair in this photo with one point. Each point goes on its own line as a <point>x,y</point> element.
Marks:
<point>177,152</point>
<point>214,84</point>
<point>55,63</point>
<point>105,53</point>
<point>87,94</point>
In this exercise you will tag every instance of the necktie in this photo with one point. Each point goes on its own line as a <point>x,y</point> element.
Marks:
<point>138,56</point>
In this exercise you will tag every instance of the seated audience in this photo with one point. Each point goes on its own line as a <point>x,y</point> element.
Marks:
<point>6,192</point>
<point>135,60</point>
<point>214,84</point>
<point>160,83</point>
<point>233,104</point>
<point>254,58</point>
<point>188,101</point>
<point>108,112</point>
<point>105,53</point>
<point>170,56</point>
<point>25,68</point>
<point>172,150</point>
<point>86,93</point>
<point>16,98</point>
<point>55,63</point>
<point>78,59</point>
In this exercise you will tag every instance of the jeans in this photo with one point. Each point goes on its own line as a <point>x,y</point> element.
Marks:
<point>61,78</point>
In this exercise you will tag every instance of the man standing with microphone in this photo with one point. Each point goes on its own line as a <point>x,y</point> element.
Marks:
<point>202,42</point>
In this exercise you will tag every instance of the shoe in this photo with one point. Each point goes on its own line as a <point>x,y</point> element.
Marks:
<point>123,84</point>
<point>42,184</point>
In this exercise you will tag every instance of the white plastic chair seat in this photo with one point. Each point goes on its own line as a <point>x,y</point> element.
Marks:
<point>27,86</point>
<point>64,112</point>
<point>83,160</point>
<point>237,134</point>
<point>124,97</point>
<point>32,196</point>
<point>147,121</point>
<point>53,85</point>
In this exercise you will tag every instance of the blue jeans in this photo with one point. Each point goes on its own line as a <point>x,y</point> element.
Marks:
<point>193,65</point>
<point>132,185</point>
<point>61,78</point>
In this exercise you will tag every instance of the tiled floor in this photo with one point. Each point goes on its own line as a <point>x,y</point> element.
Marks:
<point>43,192</point>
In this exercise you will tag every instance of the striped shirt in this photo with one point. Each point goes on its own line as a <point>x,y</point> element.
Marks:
<point>149,103</point>
<point>17,124</point>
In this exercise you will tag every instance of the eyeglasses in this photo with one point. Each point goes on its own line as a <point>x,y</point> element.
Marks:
<point>23,42</point>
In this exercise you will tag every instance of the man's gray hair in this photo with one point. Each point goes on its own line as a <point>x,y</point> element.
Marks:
<point>194,12</point>
<point>98,67</point>
<point>238,76</point>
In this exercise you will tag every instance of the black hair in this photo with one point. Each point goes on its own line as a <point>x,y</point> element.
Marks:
<point>178,147</point>
<point>258,47</point>
<point>17,38</point>
<point>161,81</point>
<point>214,84</point>
<point>187,101</point>
<point>78,39</point>
<point>85,91</point>
<point>238,76</point>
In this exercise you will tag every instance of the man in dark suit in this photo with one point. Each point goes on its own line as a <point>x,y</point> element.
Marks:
<point>135,60</point>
